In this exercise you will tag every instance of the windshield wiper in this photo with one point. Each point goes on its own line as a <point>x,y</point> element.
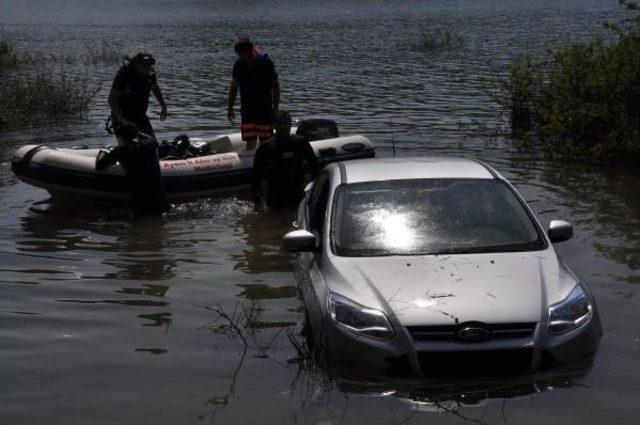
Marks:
<point>452,251</point>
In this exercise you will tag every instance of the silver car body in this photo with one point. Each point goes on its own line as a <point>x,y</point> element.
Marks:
<point>434,302</point>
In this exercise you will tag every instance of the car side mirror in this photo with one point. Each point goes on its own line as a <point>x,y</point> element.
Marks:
<point>308,187</point>
<point>560,231</point>
<point>299,241</point>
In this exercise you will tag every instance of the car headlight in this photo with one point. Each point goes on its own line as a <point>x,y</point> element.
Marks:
<point>570,313</point>
<point>360,319</point>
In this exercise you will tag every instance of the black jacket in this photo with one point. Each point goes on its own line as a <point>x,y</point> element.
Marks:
<point>283,163</point>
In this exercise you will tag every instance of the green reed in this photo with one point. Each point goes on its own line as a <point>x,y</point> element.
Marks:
<point>8,56</point>
<point>39,98</point>
<point>29,95</point>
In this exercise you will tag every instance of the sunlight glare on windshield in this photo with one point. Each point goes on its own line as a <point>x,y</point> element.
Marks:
<point>395,229</point>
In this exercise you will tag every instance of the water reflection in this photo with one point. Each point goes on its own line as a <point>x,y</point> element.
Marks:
<point>133,303</point>
<point>474,402</point>
<point>443,393</point>
<point>458,397</point>
<point>142,253</point>
<point>155,351</point>
<point>136,248</point>
<point>263,233</point>
<point>607,202</point>
<point>158,320</point>
<point>73,238</point>
<point>259,291</point>
<point>146,289</point>
<point>317,384</point>
<point>602,203</point>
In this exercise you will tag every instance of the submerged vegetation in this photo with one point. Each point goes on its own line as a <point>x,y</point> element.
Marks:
<point>8,56</point>
<point>40,98</point>
<point>29,95</point>
<point>440,39</point>
<point>105,53</point>
<point>582,101</point>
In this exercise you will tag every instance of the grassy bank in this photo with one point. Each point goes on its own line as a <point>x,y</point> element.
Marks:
<point>582,101</point>
<point>28,95</point>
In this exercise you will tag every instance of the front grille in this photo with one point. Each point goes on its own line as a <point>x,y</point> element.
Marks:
<point>476,363</point>
<point>449,332</point>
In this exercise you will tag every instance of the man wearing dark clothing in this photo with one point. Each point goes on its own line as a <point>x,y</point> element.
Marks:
<point>137,150</point>
<point>138,156</point>
<point>282,163</point>
<point>129,95</point>
<point>255,74</point>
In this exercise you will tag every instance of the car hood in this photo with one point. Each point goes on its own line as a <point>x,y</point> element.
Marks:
<point>447,289</point>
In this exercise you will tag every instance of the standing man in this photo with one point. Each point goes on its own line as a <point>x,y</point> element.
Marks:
<point>282,165</point>
<point>257,78</point>
<point>129,96</point>
<point>138,150</point>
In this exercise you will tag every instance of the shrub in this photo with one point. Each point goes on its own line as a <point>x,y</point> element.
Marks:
<point>583,100</point>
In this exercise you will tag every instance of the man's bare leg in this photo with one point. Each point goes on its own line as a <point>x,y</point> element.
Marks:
<point>252,143</point>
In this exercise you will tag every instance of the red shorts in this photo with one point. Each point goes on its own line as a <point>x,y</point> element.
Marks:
<point>252,131</point>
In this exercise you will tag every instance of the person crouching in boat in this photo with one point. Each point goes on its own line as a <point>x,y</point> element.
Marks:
<point>255,75</point>
<point>129,95</point>
<point>138,155</point>
<point>282,166</point>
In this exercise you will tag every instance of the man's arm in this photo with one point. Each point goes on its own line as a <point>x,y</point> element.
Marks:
<point>275,93</point>
<point>114,104</point>
<point>155,88</point>
<point>233,93</point>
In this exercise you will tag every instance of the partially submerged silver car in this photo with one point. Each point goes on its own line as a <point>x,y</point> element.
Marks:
<point>436,266</point>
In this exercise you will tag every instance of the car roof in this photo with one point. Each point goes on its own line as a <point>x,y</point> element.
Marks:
<point>431,167</point>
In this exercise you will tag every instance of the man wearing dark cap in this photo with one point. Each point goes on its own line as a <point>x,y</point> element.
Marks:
<point>137,152</point>
<point>255,74</point>
<point>281,166</point>
<point>129,96</point>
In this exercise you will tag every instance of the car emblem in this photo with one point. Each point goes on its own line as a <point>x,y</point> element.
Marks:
<point>473,333</point>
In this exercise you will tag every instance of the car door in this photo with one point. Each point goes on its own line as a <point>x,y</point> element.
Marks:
<point>318,208</point>
<point>310,280</point>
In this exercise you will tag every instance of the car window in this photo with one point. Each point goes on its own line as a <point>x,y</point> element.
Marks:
<point>431,216</point>
<point>318,203</point>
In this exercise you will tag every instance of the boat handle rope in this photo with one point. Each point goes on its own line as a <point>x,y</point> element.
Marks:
<point>26,158</point>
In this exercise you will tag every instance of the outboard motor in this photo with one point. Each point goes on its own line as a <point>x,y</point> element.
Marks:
<point>327,144</point>
<point>317,129</point>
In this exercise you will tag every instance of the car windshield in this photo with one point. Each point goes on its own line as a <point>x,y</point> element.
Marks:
<point>430,216</point>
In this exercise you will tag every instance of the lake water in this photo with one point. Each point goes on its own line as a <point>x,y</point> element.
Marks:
<point>108,320</point>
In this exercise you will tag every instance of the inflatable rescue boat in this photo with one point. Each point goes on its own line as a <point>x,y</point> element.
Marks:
<point>205,166</point>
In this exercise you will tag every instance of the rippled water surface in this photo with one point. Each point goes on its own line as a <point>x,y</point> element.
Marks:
<point>107,319</point>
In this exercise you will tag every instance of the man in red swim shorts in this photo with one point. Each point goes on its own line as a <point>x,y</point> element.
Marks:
<point>255,74</point>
